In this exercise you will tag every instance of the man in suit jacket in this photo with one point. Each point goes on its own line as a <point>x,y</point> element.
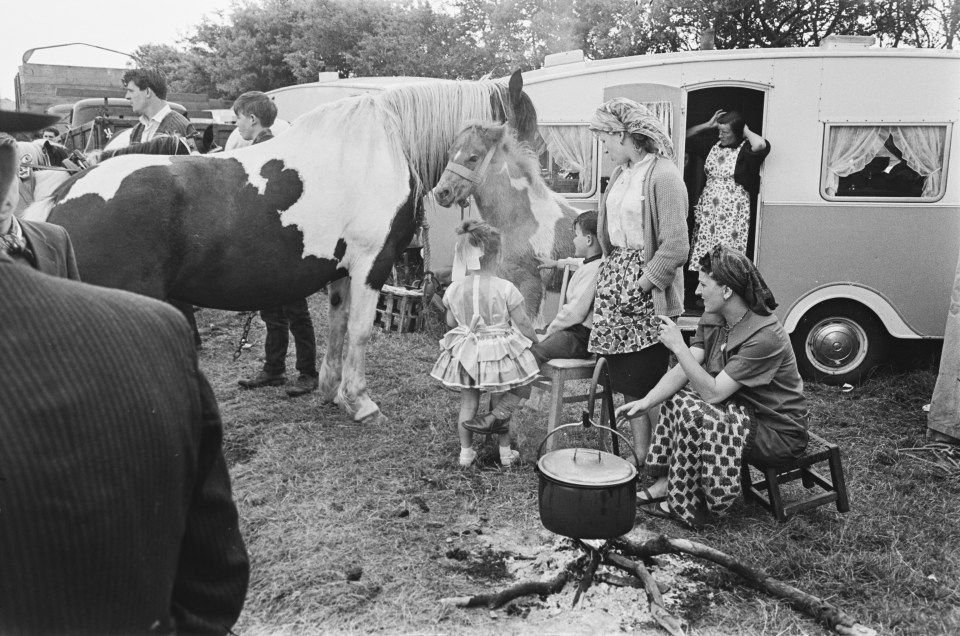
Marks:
<point>116,513</point>
<point>43,246</point>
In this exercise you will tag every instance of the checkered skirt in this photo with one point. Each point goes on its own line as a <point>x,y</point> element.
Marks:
<point>700,448</point>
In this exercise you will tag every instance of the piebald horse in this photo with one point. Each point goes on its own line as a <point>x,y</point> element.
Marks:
<point>333,199</point>
<point>503,176</point>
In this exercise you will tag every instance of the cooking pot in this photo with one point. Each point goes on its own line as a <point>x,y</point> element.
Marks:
<point>586,493</point>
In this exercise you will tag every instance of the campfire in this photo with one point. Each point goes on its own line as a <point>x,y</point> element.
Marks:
<point>589,497</point>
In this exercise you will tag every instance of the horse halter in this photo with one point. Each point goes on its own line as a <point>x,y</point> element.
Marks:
<point>473,176</point>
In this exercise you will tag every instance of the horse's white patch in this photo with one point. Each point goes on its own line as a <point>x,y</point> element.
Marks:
<point>547,211</point>
<point>105,180</point>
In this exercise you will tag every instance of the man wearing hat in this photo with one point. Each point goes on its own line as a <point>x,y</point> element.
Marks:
<point>116,510</point>
<point>43,246</point>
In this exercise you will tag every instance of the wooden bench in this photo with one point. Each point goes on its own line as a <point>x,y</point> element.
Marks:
<point>767,491</point>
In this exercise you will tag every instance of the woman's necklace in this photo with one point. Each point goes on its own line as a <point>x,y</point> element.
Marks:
<point>728,328</point>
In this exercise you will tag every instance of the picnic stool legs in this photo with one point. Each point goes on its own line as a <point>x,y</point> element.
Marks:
<point>556,373</point>
<point>767,492</point>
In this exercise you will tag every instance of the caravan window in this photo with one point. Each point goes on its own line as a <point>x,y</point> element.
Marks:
<point>871,161</point>
<point>568,158</point>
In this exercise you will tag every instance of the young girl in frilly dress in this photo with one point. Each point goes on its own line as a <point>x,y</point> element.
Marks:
<point>488,348</point>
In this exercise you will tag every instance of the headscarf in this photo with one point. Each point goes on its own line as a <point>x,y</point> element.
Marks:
<point>625,115</point>
<point>732,268</point>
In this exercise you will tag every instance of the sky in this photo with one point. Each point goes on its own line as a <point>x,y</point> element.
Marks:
<point>121,26</point>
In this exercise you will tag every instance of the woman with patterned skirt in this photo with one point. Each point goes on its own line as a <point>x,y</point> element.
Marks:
<point>642,228</point>
<point>734,393</point>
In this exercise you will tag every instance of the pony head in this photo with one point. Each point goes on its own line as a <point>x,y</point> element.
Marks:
<point>477,148</point>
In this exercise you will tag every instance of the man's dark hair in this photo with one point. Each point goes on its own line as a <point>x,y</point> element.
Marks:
<point>587,222</point>
<point>146,78</point>
<point>51,129</point>
<point>258,104</point>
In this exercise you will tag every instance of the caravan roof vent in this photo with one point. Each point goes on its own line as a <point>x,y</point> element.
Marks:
<point>848,42</point>
<point>567,57</point>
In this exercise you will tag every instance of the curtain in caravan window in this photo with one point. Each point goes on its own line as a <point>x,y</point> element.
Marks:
<point>572,148</point>
<point>851,148</point>
<point>664,112</point>
<point>922,148</point>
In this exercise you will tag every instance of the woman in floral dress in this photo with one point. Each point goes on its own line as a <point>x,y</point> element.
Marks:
<point>722,215</point>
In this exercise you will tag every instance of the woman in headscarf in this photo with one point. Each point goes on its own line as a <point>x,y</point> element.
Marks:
<point>734,393</point>
<point>642,228</point>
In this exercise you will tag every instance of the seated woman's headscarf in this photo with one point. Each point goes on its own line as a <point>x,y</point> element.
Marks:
<point>625,115</point>
<point>732,268</point>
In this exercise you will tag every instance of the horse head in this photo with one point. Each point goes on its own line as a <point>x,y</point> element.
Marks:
<point>504,177</point>
<point>472,152</point>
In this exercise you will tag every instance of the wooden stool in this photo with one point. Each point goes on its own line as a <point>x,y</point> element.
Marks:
<point>818,450</point>
<point>554,376</point>
<point>400,309</point>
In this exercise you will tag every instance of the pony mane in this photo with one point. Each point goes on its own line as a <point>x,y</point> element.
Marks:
<point>526,158</point>
<point>422,120</point>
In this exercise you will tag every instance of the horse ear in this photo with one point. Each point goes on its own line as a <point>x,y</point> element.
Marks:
<point>516,86</point>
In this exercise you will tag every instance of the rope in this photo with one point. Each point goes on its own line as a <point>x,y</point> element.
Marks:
<point>426,244</point>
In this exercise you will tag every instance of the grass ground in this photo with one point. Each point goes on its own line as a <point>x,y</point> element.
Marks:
<point>360,529</point>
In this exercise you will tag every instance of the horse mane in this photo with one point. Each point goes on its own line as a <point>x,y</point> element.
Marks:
<point>421,119</point>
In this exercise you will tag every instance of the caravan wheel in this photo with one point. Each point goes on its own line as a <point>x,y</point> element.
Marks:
<point>839,342</point>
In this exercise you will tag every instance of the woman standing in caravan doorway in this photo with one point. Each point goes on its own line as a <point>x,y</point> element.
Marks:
<point>722,214</point>
<point>642,229</point>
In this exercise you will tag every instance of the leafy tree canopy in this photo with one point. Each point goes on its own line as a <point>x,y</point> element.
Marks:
<point>267,44</point>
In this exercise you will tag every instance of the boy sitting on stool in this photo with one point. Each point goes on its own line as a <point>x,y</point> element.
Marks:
<point>256,112</point>
<point>569,332</point>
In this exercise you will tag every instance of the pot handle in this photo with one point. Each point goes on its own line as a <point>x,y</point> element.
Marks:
<point>636,458</point>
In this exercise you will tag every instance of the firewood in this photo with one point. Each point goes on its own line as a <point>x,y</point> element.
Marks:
<point>499,599</point>
<point>822,611</point>
<point>660,614</point>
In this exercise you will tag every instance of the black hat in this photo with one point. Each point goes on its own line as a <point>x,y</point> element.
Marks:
<point>12,121</point>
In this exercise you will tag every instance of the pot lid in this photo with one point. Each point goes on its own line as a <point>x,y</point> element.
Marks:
<point>586,467</point>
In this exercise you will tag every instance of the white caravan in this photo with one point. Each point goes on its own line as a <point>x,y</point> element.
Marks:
<point>857,224</point>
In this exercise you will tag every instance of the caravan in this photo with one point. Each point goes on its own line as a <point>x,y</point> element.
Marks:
<point>857,224</point>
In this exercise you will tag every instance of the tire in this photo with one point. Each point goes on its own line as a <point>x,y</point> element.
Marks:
<point>839,342</point>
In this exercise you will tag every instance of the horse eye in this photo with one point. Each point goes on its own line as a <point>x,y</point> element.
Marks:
<point>474,158</point>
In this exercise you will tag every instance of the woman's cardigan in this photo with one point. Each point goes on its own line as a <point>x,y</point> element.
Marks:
<point>665,240</point>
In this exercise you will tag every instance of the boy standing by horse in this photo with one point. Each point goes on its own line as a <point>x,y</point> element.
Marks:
<point>569,332</point>
<point>256,112</point>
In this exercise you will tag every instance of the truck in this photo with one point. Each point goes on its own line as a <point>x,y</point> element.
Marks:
<point>854,258</point>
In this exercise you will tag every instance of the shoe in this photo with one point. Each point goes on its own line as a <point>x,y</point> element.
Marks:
<point>302,385</point>
<point>508,458</point>
<point>644,498</point>
<point>263,379</point>
<point>467,457</point>
<point>662,511</point>
<point>486,424</point>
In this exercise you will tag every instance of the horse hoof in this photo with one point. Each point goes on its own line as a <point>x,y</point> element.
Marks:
<point>374,419</point>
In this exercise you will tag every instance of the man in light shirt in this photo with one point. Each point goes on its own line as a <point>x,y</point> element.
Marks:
<point>147,92</point>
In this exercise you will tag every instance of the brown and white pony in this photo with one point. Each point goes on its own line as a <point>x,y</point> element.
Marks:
<point>333,199</point>
<point>503,176</point>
